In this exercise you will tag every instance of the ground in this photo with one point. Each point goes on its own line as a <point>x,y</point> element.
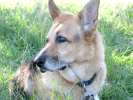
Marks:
<point>23,30</point>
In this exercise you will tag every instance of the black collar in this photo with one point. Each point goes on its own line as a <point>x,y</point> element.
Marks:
<point>83,83</point>
<point>86,82</point>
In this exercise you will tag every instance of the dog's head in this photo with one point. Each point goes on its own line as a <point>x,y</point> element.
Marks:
<point>70,39</point>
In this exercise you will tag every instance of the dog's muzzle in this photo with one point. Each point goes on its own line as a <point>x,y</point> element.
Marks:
<point>48,63</point>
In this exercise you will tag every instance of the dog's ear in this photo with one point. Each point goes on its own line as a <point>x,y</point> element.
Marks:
<point>89,16</point>
<point>53,9</point>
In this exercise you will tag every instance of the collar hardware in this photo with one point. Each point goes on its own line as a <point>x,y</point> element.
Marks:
<point>85,83</point>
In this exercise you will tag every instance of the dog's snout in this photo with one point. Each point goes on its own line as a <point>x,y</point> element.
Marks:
<point>40,61</point>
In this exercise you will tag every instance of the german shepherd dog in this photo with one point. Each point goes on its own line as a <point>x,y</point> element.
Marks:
<point>72,61</point>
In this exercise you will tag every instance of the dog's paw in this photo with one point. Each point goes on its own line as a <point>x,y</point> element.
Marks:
<point>90,96</point>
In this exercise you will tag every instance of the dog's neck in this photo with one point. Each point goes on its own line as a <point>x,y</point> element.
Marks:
<point>76,72</point>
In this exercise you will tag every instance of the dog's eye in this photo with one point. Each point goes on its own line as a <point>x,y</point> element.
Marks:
<point>61,39</point>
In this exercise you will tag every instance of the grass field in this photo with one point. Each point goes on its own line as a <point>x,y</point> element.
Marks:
<point>23,31</point>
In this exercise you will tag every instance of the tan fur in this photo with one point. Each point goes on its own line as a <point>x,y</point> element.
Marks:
<point>85,52</point>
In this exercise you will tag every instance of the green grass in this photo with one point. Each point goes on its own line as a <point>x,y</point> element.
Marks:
<point>22,34</point>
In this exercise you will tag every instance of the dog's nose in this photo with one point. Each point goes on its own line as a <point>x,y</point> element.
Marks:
<point>40,61</point>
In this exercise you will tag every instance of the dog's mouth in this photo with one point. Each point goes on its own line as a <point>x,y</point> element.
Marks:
<point>63,67</point>
<point>45,69</point>
<point>51,65</point>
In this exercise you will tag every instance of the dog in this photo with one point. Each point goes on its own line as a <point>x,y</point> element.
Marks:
<point>72,62</point>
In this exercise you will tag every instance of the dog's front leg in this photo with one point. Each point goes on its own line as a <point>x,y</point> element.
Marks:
<point>92,91</point>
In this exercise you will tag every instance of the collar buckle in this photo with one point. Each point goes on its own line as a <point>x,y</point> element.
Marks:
<point>83,84</point>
